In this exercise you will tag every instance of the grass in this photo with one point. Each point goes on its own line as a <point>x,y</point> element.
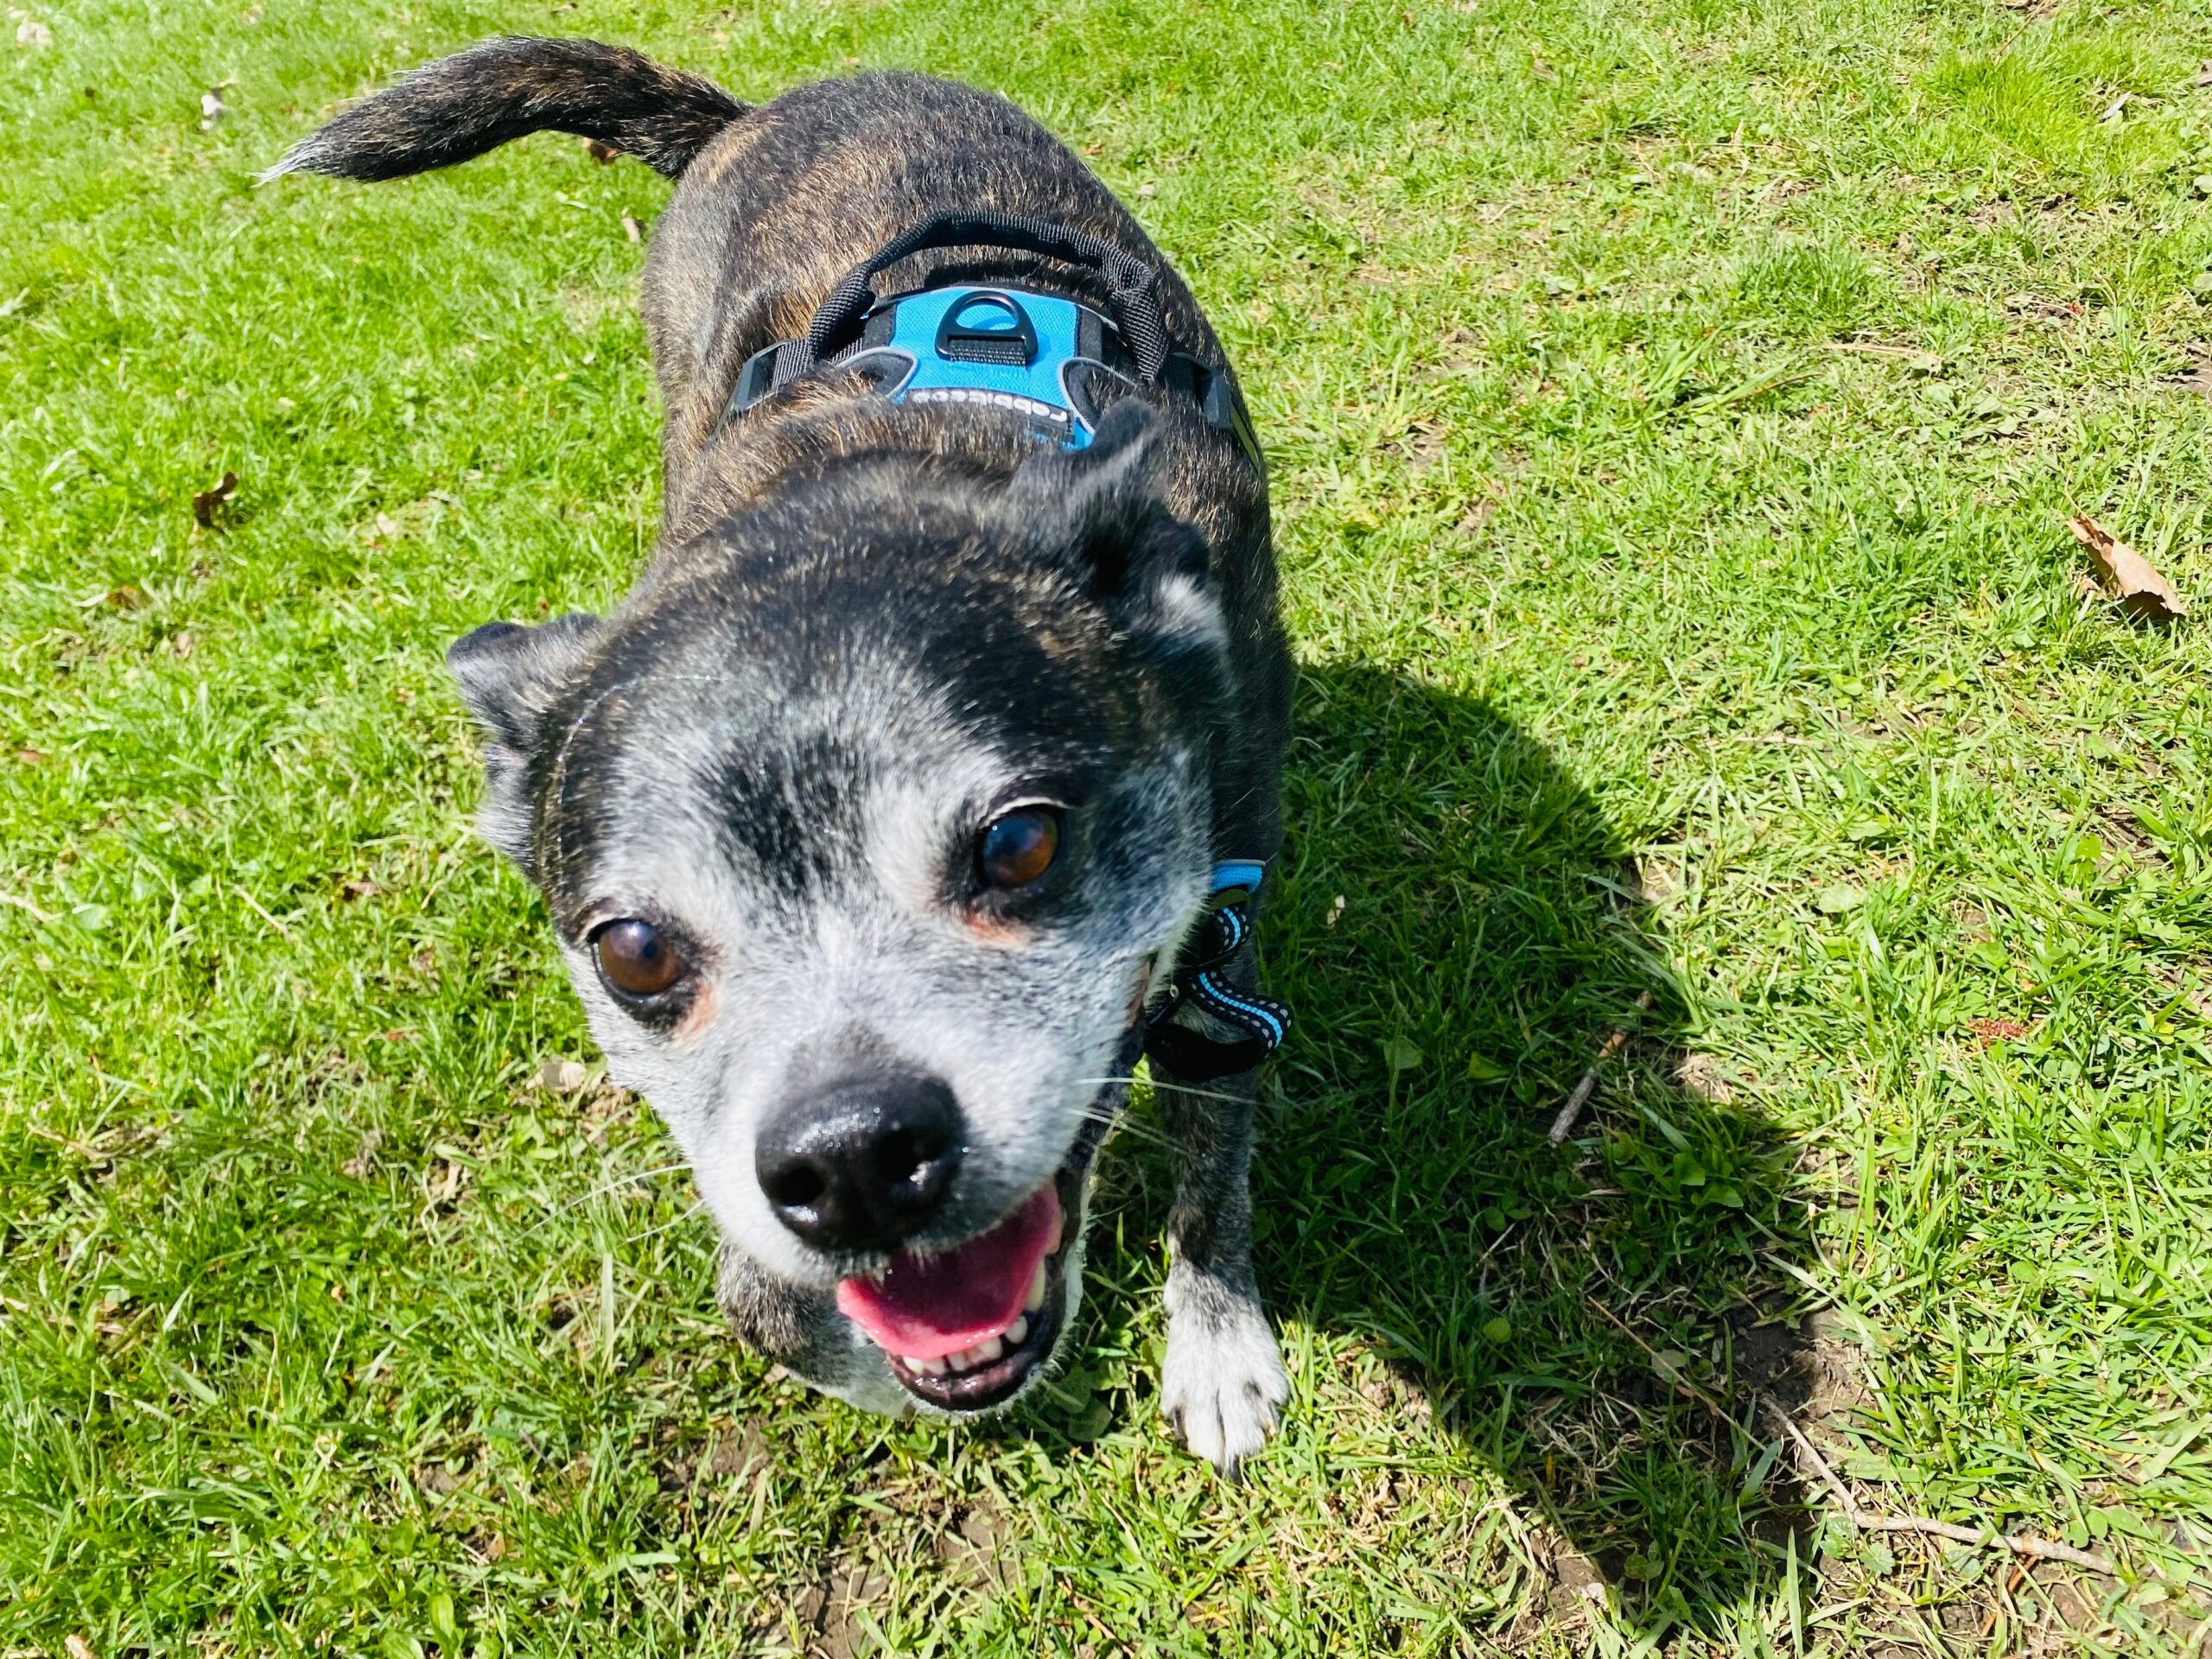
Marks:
<point>1674,410</point>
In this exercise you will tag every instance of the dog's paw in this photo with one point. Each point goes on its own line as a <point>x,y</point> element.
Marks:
<point>1223,1385</point>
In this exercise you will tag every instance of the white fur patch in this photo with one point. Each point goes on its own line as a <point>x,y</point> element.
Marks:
<point>1189,614</point>
<point>1223,1384</point>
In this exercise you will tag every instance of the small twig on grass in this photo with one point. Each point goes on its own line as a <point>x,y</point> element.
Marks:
<point>2019,1543</point>
<point>254,905</point>
<point>1564,1122</point>
<point>24,904</point>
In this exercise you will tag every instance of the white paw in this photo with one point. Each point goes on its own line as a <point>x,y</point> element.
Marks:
<point>1223,1384</point>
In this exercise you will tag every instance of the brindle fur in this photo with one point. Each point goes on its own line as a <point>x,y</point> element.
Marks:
<point>1111,614</point>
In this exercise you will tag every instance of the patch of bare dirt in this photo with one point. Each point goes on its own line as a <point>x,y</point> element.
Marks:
<point>830,1609</point>
<point>978,1549</point>
<point>1831,1358</point>
<point>2197,377</point>
<point>1708,1076</point>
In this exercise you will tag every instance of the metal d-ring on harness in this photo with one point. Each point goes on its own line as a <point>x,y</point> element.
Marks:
<point>1050,359</point>
<point>1190,1056</point>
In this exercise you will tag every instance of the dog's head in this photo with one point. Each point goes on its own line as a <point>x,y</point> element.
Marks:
<point>865,824</point>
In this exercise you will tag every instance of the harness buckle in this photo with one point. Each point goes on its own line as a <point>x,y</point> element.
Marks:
<point>1012,342</point>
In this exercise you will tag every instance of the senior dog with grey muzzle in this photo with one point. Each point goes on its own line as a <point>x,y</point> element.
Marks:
<point>928,777</point>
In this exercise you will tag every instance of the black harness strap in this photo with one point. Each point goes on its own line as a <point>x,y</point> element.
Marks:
<point>1192,1056</point>
<point>1134,285</point>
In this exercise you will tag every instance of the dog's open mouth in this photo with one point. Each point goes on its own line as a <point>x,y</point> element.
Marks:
<point>964,1328</point>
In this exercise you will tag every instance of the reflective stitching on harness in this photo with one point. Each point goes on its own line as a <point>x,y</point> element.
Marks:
<point>1219,1001</point>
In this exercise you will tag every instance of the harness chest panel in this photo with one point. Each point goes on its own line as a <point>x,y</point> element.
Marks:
<point>1010,348</point>
<point>1054,361</point>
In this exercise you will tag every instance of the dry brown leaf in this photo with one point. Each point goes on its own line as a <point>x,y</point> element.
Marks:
<point>560,1076</point>
<point>631,229</point>
<point>32,757</point>
<point>436,1479</point>
<point>357,1167</point>
<point>443,1180</point>
<point>2138,587</point>
<point>600,153</point>
<point>205,503</point>
<point>78,1648</point>
<point>741,1453</point>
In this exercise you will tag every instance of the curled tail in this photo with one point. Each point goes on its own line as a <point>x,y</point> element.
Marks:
<point>500,89</point>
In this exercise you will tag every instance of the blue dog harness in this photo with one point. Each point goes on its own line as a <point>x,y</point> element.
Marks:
<point>1054,361</point>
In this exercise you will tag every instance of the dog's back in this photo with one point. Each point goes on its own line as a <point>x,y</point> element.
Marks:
<point>772,199</point>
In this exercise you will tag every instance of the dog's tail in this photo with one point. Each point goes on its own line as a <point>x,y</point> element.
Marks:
<point>498,90</point>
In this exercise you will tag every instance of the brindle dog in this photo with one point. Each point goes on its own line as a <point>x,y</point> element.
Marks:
<point>878,815</point>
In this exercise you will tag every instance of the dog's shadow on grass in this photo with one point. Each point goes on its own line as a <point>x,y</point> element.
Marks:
<point>1460,932</point>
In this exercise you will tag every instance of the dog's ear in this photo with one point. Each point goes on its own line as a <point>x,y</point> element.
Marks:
<point>1101,506</point>
<point>512,678</point>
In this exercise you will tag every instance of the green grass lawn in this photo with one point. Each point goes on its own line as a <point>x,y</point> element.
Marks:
<point>1674,410</point>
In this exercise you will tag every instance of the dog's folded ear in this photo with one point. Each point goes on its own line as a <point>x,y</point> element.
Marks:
<point>1102,507</point>
<point>512,678</point>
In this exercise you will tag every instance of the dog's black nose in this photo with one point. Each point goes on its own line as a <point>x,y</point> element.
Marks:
<point>861,1164</point>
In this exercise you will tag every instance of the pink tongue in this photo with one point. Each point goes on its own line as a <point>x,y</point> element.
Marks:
<point>925,1307</point>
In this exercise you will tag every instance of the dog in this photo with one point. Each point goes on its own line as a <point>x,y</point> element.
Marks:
<point>929,774</point>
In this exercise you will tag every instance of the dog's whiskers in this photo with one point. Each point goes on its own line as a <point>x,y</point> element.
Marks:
<point>1162,1085</point>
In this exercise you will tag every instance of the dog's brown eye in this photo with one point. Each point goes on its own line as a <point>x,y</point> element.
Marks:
<point>1018,849</point>
<point>634,959</point>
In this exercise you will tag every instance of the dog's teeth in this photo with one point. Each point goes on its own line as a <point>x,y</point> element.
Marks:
<point>930,1368</point>
<point>1036,1298</point>
<point>913,1363</point>
<point>982,1354</point>
<point>1059,1230</point>
<point>1013,1334</point>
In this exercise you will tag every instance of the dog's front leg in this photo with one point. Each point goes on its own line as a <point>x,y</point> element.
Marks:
<point>1223,1384</point>
<point>803,1331</point>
